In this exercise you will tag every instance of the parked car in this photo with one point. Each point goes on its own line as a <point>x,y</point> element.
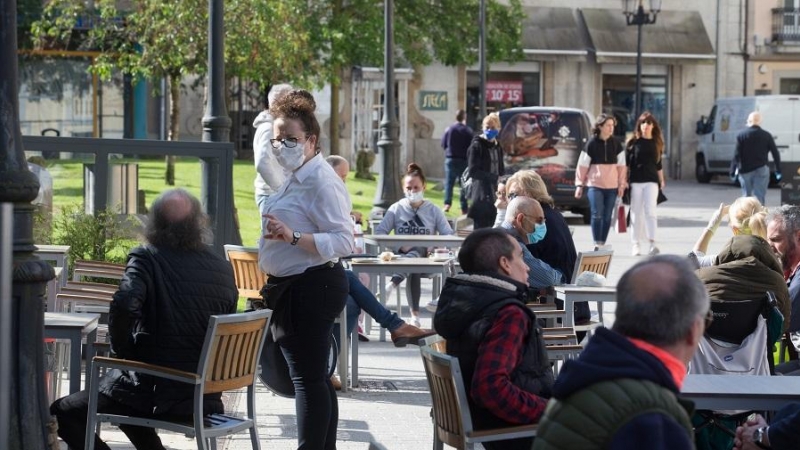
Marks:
<point>548,139</point>
<point>780,116</point>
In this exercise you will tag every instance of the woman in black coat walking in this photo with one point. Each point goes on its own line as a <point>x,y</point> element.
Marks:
<point>484,165</point>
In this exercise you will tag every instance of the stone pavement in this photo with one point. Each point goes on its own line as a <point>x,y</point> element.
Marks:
<point>390,409</point>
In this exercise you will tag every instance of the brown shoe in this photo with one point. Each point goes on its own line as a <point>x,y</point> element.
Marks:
<point>336,383</point>
<point>409,334</point>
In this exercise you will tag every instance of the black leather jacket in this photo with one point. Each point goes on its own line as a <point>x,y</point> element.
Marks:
<point>159,316</point>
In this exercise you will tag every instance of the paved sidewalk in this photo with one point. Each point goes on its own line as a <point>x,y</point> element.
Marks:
<point>391,407</point>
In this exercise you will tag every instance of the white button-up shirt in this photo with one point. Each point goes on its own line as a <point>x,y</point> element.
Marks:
<point>312,200</point>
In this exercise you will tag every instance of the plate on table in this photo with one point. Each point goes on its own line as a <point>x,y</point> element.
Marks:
<point>365,260</point>
<point>441,258</point>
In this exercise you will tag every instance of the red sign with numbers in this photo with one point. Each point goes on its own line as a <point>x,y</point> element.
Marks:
<point>504,91</point>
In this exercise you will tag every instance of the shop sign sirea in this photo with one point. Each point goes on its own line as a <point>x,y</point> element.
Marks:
<point>504,91</point>
<point>433,100</point>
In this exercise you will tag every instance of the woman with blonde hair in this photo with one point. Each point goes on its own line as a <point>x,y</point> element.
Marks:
<point>644,152</point>
<point>556,248</point>
<point>745,215</point>
<point>484,166</point>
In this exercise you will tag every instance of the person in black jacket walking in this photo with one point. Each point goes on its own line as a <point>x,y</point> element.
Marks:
<point>455,142</point>
<point>171,287</point>
<point>485,164</point>
<point>752,147</point>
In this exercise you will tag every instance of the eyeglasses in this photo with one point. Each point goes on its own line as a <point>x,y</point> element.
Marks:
<point>289,142</point>
<point>500,194</point>
<point>709,318</point>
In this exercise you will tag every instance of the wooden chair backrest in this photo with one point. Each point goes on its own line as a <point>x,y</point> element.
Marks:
<point>97,269</point>
<point>451,415</point>
<point>249,277</point>
<point>232,349</point>
<point>597,261</point>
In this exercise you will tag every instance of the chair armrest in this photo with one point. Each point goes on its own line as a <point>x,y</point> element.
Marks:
<point>148,369</point>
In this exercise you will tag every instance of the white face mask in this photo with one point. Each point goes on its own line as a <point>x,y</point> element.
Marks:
<point>290,158</point>
<point>414,197</point>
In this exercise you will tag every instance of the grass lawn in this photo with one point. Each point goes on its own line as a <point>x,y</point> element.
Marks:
<point>68,188</point>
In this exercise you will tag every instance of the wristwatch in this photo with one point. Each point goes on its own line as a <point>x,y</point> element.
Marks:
<point>296,237</point>
<point>758,437</point>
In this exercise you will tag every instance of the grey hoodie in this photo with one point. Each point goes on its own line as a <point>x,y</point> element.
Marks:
<point>269,175</point>
<point>403,219</point>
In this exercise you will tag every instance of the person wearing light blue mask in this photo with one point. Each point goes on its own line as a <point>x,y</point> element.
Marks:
<point>484,166</point>
<point>526,223</point>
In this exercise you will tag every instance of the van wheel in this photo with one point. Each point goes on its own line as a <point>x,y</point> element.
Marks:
<point>700,171</point>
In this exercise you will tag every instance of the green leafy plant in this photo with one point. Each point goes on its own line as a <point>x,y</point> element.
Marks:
<point>100,237</point>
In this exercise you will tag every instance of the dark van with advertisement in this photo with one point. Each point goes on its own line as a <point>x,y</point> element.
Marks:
<point>548,140</point>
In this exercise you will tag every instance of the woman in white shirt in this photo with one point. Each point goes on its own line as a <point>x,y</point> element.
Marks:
<point>308,228</point>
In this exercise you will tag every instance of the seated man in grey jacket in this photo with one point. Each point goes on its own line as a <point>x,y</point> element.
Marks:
<point>159,315</point>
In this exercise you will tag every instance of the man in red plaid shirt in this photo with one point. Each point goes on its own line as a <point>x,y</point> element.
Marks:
<point>483,316</point>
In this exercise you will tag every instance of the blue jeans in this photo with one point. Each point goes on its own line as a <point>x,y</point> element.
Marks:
<point>453,168</point>
<point>755,183</point>
<point>602,202</point>
<point>362,298</point>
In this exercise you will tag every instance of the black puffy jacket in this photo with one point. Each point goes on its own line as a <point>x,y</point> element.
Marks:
<point>159,316</point>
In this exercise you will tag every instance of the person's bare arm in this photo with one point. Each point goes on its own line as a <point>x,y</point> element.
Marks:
<point>705,237</point>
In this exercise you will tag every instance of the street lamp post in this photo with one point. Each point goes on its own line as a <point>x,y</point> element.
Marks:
<point>26,421</point>
<point>388,189</point>
<point>482,60</point>
<point>636,15</point>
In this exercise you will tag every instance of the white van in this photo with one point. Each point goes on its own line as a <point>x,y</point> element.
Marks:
<point>780,115</point>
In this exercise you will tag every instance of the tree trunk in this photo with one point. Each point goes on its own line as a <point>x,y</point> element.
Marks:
<point>333,131</point>
<point>174,123</point>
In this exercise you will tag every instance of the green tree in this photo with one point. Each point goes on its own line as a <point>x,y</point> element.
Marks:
<point>152,40</point>
<point>340,34</point>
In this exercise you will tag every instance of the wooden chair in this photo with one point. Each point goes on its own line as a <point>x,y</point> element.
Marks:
<point>249,277</point>
<point>451,415</point>
<point>228,361</point>
<point>97,269</point>
<point>597,261</point>
<point>558,354</point>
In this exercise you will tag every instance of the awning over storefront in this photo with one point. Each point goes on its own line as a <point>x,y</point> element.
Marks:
<point>677,37</point>
<point>550,34</point>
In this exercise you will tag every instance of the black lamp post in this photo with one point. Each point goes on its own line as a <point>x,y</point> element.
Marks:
<point>26,422</point>
<point>636,15</point>
<point>482,60</point>
<point>388,189</point>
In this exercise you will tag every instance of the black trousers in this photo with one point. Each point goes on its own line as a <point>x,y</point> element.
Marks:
<point>317,298</point>
<point>71,411</point>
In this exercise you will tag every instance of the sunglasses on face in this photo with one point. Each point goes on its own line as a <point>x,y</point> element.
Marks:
<point>512,195</point>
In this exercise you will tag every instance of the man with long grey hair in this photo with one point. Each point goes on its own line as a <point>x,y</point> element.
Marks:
<point>172,285</point>
<point>624,388</point>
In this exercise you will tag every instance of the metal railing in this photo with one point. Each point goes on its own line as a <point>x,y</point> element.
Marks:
<point>216,157</point>
<point>786,26</point>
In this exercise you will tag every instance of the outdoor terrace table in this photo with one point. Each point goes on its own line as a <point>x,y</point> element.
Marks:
<point>413,240</point>
<point>73,327</point>
<point>736,392</point>
<point>57,253</point>
<point>379,268</point>
<point>570,293</point>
